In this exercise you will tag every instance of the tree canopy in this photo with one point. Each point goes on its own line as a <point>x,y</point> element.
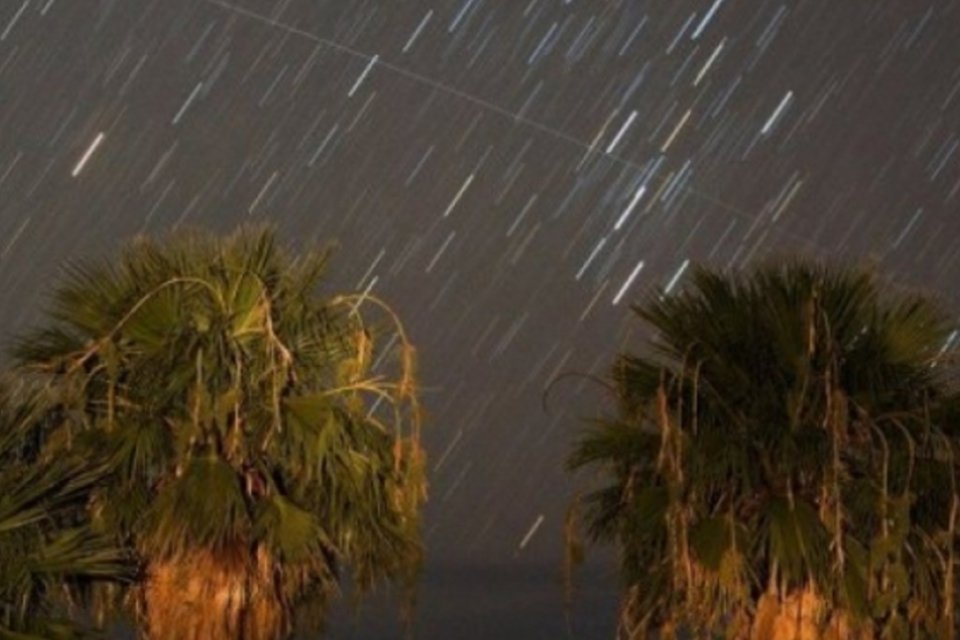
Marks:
<point>782,460</point>
<point>262,439</point>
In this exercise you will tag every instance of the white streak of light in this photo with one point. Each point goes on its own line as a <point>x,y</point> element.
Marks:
<point>456,198</point>
<point>787,200</point>
<point>950,339</point>
<point>263,192</point>
<point>593,302</point>
<point>372,266</point>
<point>709,62</point>
<point>623,130</point>
<point>633,203</point>
<point>706,20</point>
<point>459,16</point>
<point>356,305</point>
<point>23,225</point>
<point>356,85</point>
<point>680,33</point>
<point>676,131</point>
<point>87,154</point>
<point>531,532</point>
<point>187,102</point>
<point>13,21</point>
<point>593,254</point>
<point>776,114</point>
<point>417,31</point>
<point>627,283</point>
<point>440,251</point>
<point>446,452</point>
<point>676,277</point>
<point>593,145</point>
<point>323,145</point>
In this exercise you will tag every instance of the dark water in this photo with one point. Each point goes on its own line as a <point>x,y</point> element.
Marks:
<point>493,602</point>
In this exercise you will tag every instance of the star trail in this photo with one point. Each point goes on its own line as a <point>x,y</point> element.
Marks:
<point>511,175</point>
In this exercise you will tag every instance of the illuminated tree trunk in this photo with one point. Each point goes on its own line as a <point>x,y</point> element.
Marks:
<point>798,616</point>
<point>802,615</point>
<point>203,596</point>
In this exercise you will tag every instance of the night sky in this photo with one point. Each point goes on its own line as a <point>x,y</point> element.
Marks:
<point>511,175</point>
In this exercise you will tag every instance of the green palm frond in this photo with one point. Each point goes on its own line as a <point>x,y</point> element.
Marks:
<point>204,507</point>
<point>293,534</point>
<point>49,553</point>
<point>798,541</point>
<point>624,444</point>
<point>710,540</point>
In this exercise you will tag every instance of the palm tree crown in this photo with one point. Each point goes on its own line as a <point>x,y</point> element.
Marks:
<point>262,439</point>
<point>782,462</point>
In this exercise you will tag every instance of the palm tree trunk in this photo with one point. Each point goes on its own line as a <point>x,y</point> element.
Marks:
<point>205,596</point>
<point>803,615</point>
<point>797,616</point>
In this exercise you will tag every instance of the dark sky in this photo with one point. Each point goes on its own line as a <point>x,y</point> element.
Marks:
<point>511,174</point>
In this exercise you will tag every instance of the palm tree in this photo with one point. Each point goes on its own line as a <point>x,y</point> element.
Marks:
<point>49,556</point>
<point>263,440</point>
<point>782,466</point>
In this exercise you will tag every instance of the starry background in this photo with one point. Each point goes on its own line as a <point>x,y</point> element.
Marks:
<point>511,175</point>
